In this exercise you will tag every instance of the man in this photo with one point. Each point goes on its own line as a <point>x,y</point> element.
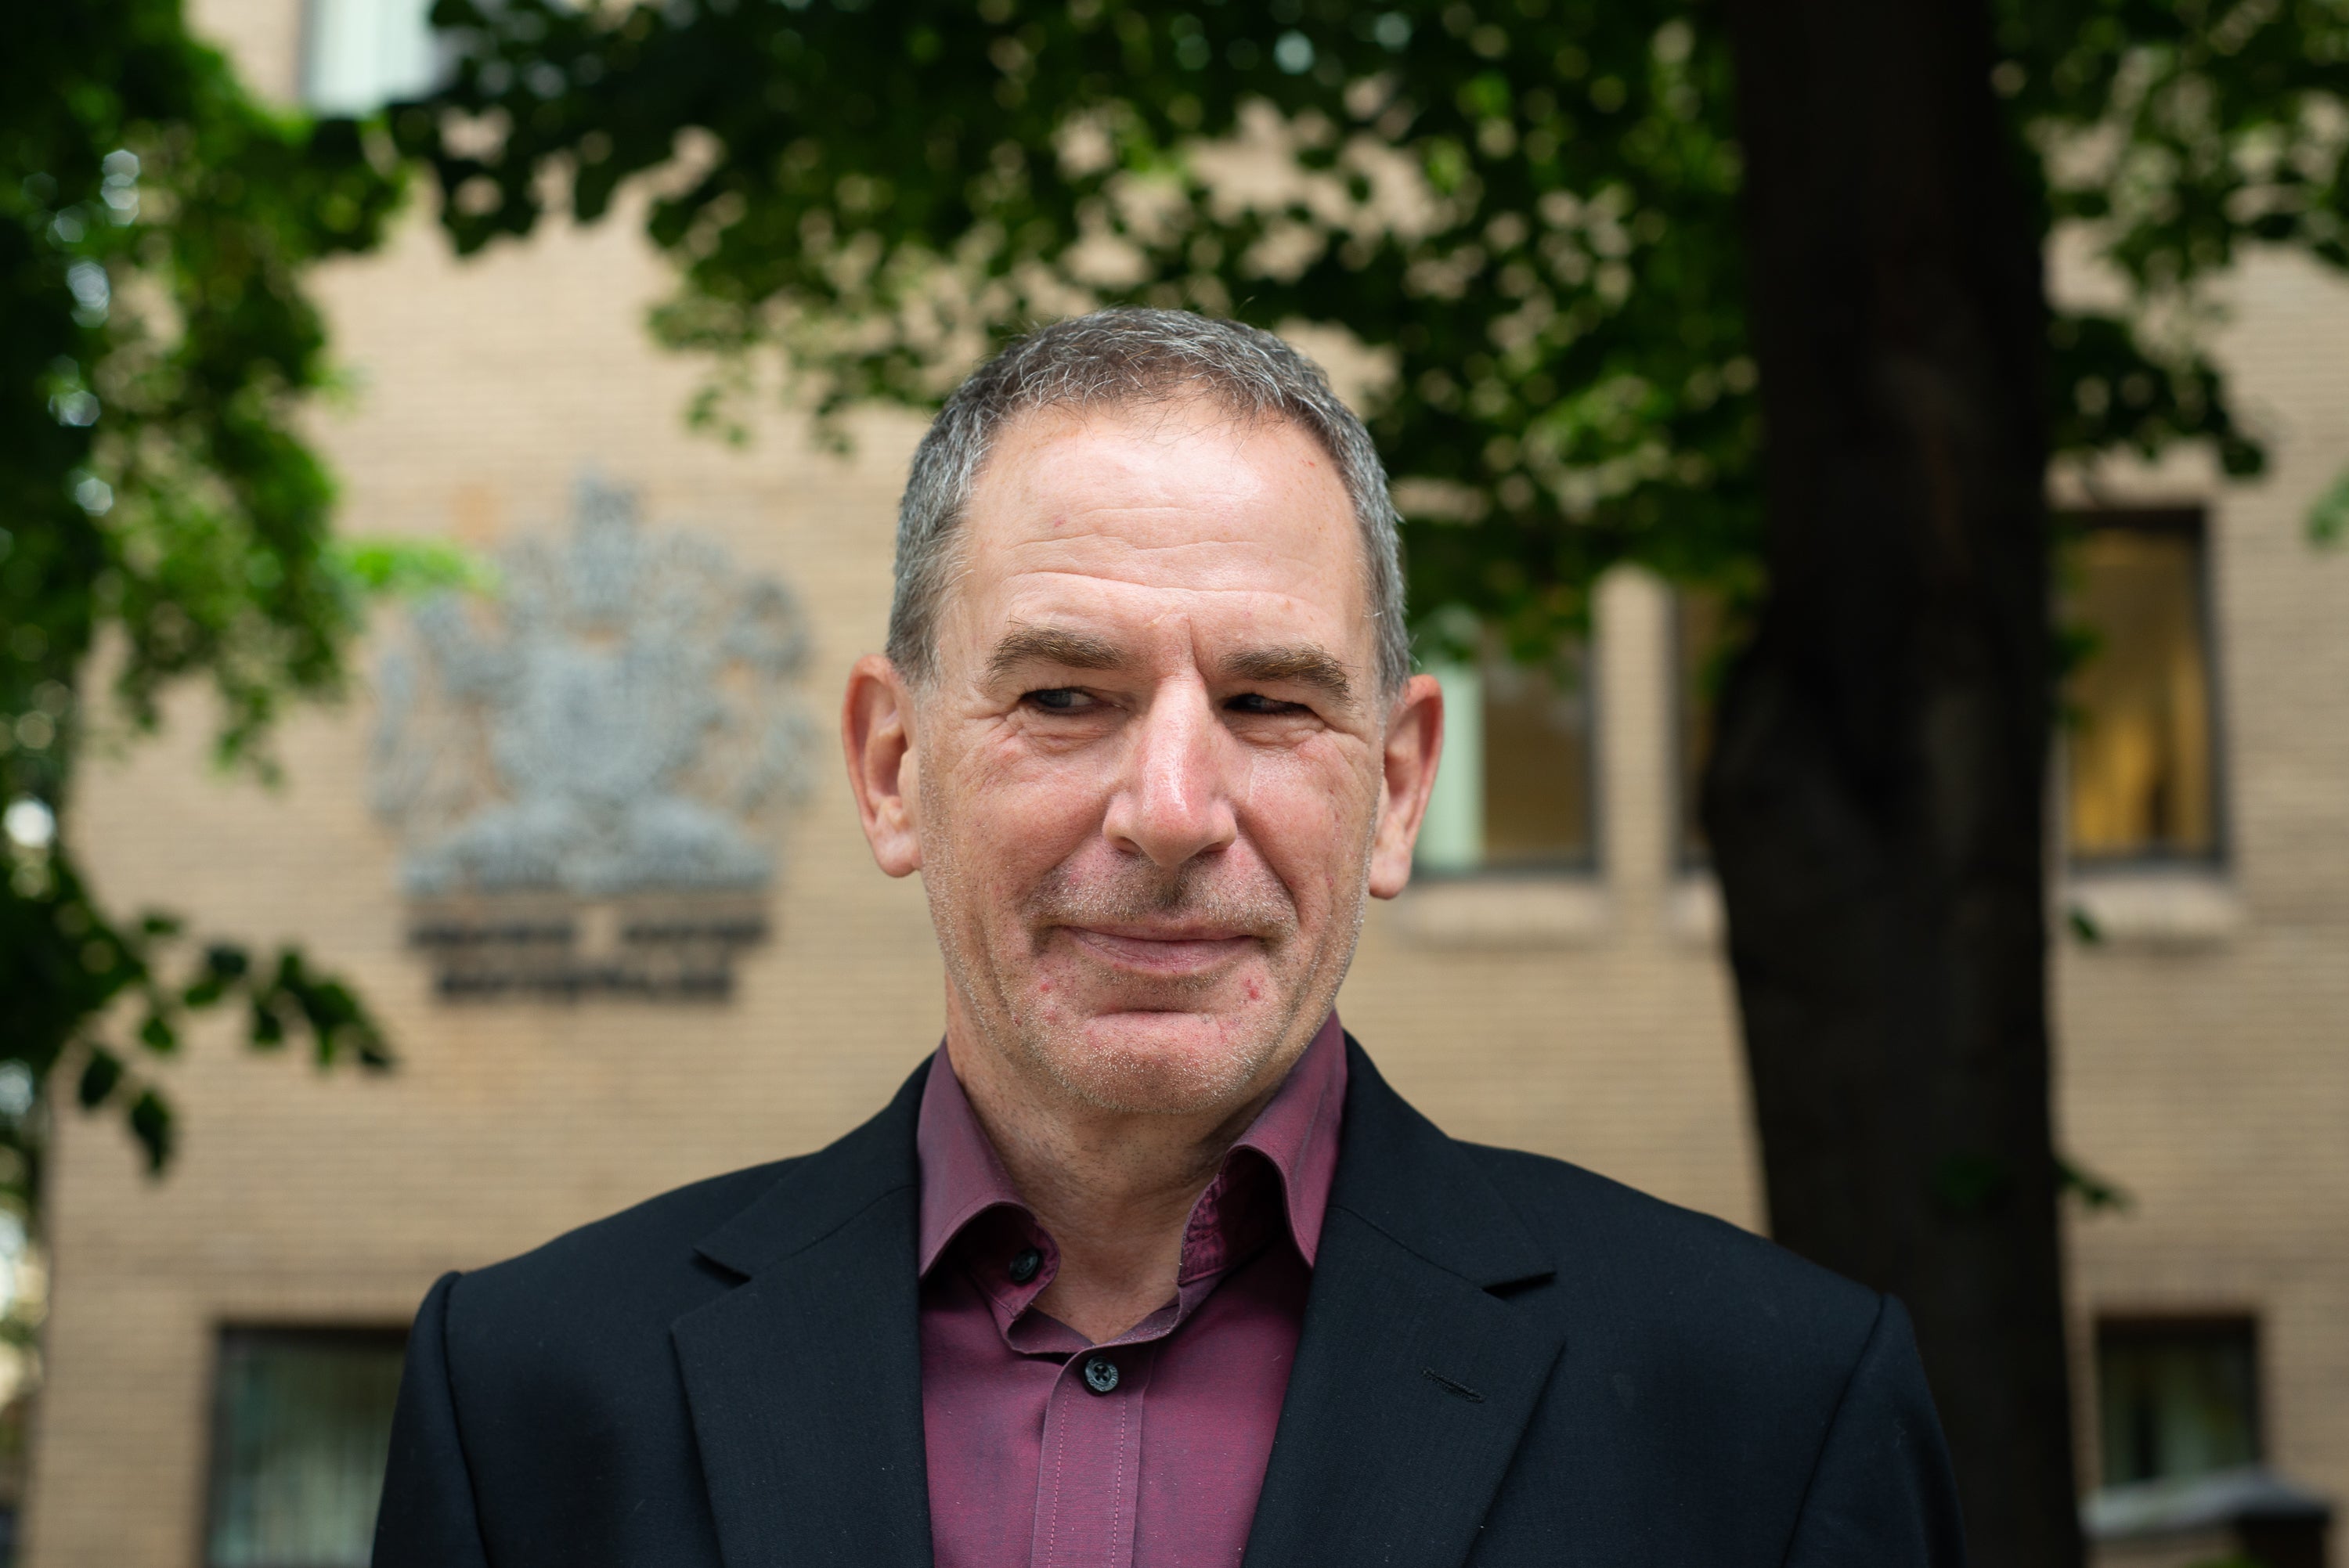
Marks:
<point>1147,1266</point>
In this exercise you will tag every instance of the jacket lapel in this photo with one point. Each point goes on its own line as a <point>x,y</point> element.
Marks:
<point>804,1380</point>
<point>1413,1379</point>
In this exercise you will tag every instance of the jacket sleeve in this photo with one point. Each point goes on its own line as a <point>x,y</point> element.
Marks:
<point>1882,1494</point>
<point>427,1517</point>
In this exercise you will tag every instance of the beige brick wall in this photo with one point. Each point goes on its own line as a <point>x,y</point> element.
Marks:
<point>2209,1079</point>
<point>2209,1076</point>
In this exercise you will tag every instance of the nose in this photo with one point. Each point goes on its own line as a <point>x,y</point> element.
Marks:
<point>1174,802</point>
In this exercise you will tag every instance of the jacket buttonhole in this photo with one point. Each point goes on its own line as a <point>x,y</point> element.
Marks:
<point>1449,1387</point>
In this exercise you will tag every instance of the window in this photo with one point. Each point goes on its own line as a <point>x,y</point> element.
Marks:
<point>359,55</point>
<point>302,1426</point>
<point>1701,646</point>
<point>1514,791</point>
<point>2176,1396</point>
<point>2140,752</point>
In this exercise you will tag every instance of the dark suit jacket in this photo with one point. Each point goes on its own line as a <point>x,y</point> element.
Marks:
<point>1505,1360</point>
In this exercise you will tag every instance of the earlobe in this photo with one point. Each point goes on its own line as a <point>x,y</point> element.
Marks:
<point>877,739</point>
<point>1414,743</point>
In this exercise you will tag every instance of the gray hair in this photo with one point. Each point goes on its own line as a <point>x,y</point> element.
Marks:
<point>1114,358</point>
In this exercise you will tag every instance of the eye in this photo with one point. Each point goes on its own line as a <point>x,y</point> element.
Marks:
<point>1256,702</point>
<point>1059,700</point>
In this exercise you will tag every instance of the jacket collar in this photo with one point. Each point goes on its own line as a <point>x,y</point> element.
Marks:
<point>1400,1173</point>
<point>826,1190</point>
<point>804,1381</point>
<point>1396,1170</point>
<point>1413,1379</point>
<point>1413,1384</point>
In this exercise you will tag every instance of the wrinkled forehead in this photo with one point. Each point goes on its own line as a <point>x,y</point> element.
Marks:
<point>1182,507</point>
<point>1198,418</point>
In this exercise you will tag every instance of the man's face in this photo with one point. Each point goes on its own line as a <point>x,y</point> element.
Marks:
<point>1152,778</point>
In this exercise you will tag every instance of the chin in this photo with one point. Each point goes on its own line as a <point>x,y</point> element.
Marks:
<point>1165,1063</point>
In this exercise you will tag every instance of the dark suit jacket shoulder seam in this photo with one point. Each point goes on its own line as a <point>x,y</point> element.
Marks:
<point>450,1281</point>
<point>1827,1435</point>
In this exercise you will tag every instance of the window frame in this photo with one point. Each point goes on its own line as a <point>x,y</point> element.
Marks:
<point>227,1335</point>
<point>1591,865</point>
<point>308,41</point>
<point>2194,521</point>
<point>1740,622</point>
<point>2166,1327</point>
<point>1690,859</point>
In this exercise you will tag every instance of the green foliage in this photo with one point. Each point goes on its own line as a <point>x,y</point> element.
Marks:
<point>410,568</point>
<point>2328,520</point>
<point>156,502</point>
<point>1528,210</point>
<point>2094,1192</point>
<point>1970,1183</point>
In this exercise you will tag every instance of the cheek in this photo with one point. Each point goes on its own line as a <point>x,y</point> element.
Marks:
<point>1023,815</point>
<point>1309,813</point>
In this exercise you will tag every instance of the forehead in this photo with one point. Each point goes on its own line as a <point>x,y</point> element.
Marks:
<point>1179,508</point>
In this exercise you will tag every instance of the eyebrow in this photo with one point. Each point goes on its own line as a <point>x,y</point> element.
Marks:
<point>1026,645</point>
<point>1302,664</point>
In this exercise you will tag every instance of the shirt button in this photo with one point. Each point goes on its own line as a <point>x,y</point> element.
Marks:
<point>1024,1264</point>
<point>1100,1375</point>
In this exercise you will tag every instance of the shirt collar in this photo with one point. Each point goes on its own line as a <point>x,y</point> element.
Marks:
<point>1296,1132</point>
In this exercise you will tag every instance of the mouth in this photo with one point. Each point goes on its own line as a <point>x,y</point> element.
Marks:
<point>1171,952</point>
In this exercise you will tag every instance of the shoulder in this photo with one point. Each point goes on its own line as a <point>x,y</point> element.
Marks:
<point>640,1262</point>
<point>1661,1273</point>
<point>639,1270</point>
<point>1658,1283</point>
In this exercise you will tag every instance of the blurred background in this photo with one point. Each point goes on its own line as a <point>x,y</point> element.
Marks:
<point>562,880</point>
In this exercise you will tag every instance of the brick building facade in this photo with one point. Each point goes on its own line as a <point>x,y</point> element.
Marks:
<point>1581,1010</point>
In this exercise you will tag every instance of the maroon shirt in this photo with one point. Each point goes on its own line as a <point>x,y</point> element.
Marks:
<point>1147,1451</point>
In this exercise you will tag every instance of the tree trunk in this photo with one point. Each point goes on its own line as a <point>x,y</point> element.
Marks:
<point>1876,799</point>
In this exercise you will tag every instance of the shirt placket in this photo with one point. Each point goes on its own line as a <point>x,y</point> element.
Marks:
<point>1089,1487</point>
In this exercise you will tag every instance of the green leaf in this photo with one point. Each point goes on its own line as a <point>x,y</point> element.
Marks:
<point>1970,1182</point>
<point>151,1124</point>
<point>99,1075</point>
<point>179,518</point>
<point>411,567</point>
<point>2094,1192</point>
<point>1577,230</point>
<point>2328,518</point>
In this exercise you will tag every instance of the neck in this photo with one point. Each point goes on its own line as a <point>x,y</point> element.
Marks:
<point>1114,1188</point>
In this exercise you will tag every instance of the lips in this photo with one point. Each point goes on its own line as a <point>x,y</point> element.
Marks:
<point>1171,954</point>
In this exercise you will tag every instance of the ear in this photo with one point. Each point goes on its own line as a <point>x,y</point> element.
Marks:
<point>876,735</point>
<point>1414,740</point>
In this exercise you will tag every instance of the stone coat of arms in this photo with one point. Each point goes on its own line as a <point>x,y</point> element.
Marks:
<point>585,766</point>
